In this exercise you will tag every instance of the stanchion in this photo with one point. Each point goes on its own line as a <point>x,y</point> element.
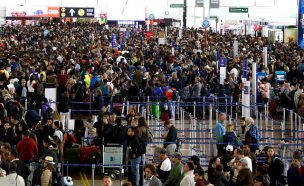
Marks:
<point>261,124</point>
<point>226,104</point>
<point>236,116</point>
<point>298,126</point>
<point>216,115</point>
<point>295,124</point>
<point>148,110</point>
<point>272,130</point>
<point>210,133</point>
<point>93,174</point>
<point>128,105</point>
<point>231,106</point>
<point>266,117</point>
<point>291,122</point>
<point>123,108</point>
<point>194,109</point>
<point>204,110</point>
<point>282,129</point>
<point>178,107</point>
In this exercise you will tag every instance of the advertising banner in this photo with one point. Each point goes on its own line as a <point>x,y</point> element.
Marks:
<point>26,11</point>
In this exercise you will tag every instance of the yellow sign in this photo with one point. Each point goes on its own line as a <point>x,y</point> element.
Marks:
<point>81,12</point>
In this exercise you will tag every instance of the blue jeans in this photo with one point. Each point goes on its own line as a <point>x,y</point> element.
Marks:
<point>171,105</point>
<point>135,170</point>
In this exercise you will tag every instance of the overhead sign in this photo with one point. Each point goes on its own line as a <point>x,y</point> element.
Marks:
<point>238,10</point>
<point>76,12</point>
<point>199,3</point>
<point>214,3</point>
<point>151,16</point>
<point>176,5</point>
<point>206,24</point>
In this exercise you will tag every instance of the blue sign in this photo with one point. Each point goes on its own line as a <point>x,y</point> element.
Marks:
<point>172,43</point>
<point>114,45</point>
<point>151,16</point>
<point>223,62</point>
<point>122,43</point>
<point>206,24</point>
<point>245,69</point>
<point>300,24</point>
<point>280,76</point>
<point>127,34</point>
<point>246,90</point>
<point>46,33</point>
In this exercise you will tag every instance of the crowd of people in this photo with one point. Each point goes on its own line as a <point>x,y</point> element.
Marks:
<point>82,62</point>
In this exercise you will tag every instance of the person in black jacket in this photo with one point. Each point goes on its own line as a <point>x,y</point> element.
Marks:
<point>275,168</point>
<point>135,153</point>
<point>64,108</point>
<point>170,138</point>
<point>6,133</point>
<point>295,174</point>
<point>22,168</point>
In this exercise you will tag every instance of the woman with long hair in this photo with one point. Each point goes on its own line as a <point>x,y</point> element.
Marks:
<point>47,172</point>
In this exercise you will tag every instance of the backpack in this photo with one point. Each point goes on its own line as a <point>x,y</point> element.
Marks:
<point>147,136</point>
<point>105,89</point>
<point>284,166</point>
<point>174,95</point>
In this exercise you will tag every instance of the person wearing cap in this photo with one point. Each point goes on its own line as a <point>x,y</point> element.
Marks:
<point>48,168</point>
<point>188,179</point>
<point>295,174</point>
<point>245,176</point>
<point>176,174</point>
<point>247,152</point>
<point>227,158</point>
<point>164,168</point>
<point>239,154</point>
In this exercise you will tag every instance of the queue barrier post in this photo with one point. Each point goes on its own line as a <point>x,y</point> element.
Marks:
<point>291,123</point>
<point>93,174</point>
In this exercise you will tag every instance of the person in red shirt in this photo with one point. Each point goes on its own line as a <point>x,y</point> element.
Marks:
<point>295,174</point>
<point>27,148</point>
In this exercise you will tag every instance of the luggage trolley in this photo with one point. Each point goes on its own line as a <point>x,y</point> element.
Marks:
<point>113,159</point>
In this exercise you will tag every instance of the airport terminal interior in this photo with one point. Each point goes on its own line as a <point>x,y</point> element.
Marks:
<point>151,93</point>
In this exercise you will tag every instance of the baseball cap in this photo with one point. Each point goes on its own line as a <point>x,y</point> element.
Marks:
<point>229,148</point>
<point>177,155</point>
<point>244,161</point>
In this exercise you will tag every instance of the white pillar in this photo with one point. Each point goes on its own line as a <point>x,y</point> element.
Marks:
<point>246,99</point>
<point>235,48</point>
<point>254,84</point>
<point>265,56</point>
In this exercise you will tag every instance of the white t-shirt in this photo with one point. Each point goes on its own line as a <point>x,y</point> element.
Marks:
<point>166,165</point>
<point>59,134</point>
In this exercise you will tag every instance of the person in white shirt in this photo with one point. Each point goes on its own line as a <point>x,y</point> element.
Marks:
<point>12,179</point>
<point>58,137</point>
<point>297,95</point>
<point>164,168</point>
<point>188,179</point>
<point>239,154</point>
